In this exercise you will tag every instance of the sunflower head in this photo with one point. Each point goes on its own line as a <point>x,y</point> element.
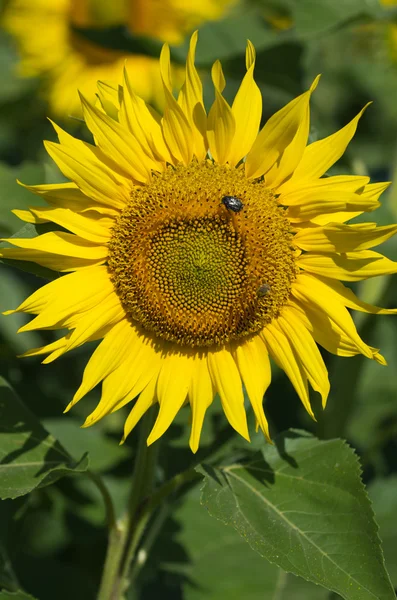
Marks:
<point>197,246</point>
<point>196,276</point>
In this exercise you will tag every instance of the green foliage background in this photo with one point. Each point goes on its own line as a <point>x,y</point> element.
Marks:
<point>53,539</point>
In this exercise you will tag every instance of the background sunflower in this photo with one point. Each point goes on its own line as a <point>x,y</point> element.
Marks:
<point>54,538</point>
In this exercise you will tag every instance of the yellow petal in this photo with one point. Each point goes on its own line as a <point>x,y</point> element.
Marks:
<point>57,302</point>
<point>176,130</point>
<point>117,143</point>
<point>109,97</point>
<point>28,217</point>
<point>250,55</point>
<point>68,195</point>
<point>247,111</point>
<point>221,123</point>
<point>321,155</point>
<point>105,314</point>
<point>254,365</point>
<point>290,158</point>
<point>350,266</point>
<point>137,118</point>
<point>59,290</point>
<point>330,315</point>
<point>227,382</point>
<point>52,347</point>
<point>327,334</point>
<point>278,133</point>
<point>329,188</point>
<point>56,250</point>
<point>128,380</point>
<point>337,237</point>
<point>201,395</point>
<point>191,101</point>
<point>172,387</point>
<point>305,347</point>
<point>97,335</point>
<point>371,193</point>
<point>83,166</point>
<point>121,340</point>
<point>331,204</point>
<point>89,226</point>
<point>146,399</point>
<point>165,67</point>
<point>283,354</point>
<point>349,298</point>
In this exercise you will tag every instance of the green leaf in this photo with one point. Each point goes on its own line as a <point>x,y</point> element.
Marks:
<point>302,505</point>
<point>4,595</point>
<point>29,456</point>
<point>221,565</point>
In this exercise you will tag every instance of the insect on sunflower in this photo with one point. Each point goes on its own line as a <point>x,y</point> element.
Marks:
<point>188,297</point>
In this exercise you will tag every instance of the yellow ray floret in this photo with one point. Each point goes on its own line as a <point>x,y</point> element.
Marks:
<point>198,248</point>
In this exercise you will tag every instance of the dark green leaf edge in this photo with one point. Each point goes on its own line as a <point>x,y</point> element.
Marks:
<point>207,471</point>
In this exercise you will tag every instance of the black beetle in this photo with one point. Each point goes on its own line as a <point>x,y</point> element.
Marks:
<point>232,203</point>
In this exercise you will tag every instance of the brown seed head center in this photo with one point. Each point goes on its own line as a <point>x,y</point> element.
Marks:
<point>191,270</point>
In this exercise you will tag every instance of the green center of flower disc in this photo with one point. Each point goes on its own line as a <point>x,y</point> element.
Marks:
<point>193,271</point>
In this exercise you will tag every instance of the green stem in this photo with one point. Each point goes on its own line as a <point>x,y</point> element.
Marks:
<point>114,555</point>
<point>107,499</point>
<point>125,534</point>
<point>151,536</point>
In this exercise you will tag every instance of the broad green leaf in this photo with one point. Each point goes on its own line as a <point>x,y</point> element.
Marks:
<point>4,595</point>
<point>301,504</point>
<point>221,565</point>
<point>29,456</point>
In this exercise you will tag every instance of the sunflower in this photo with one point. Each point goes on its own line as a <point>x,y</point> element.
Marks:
<point>50,46</point>
<point>197,248</point>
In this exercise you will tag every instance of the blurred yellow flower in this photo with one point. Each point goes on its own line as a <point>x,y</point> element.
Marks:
<point>199,248</point>
<point>50,47</point>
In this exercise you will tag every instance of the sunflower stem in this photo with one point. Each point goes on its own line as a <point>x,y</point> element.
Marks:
<point>126,533</point>
<point>107,499</point>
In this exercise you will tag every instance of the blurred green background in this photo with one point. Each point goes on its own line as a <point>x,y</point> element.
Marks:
<point>54,539</point>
